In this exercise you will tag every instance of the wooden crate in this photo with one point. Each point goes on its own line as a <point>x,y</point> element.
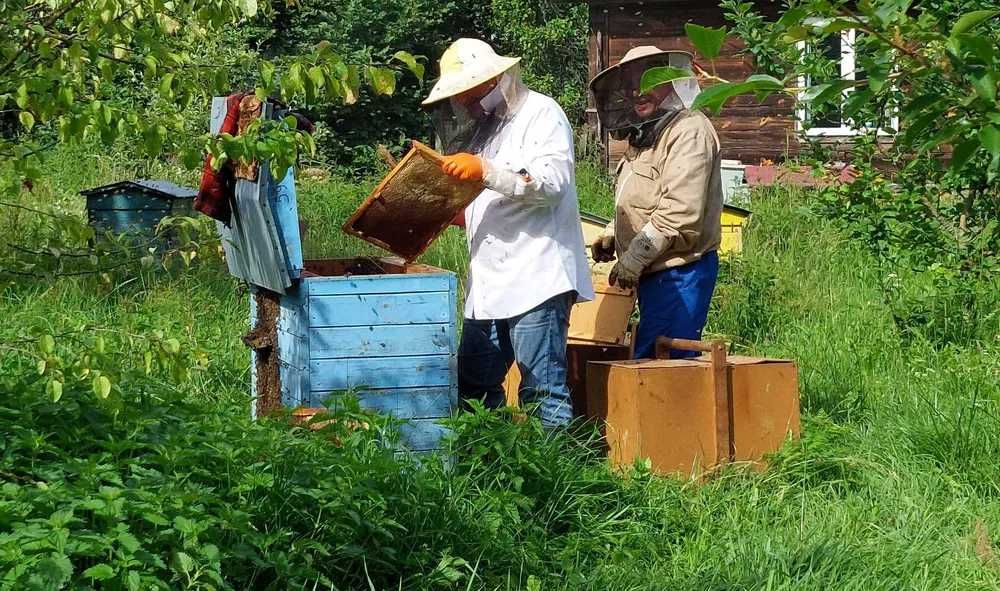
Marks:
<point>381,329</point>
<point>135,207</point>
<point>689,415</point>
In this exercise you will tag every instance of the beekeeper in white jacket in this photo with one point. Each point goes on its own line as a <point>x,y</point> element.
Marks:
<point>528,264</point>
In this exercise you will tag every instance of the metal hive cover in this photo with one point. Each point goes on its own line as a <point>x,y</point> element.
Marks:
<point>412,205</point>
<point>159,187</point>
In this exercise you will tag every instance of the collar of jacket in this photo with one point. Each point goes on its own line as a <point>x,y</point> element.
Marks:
<point>646,134</point>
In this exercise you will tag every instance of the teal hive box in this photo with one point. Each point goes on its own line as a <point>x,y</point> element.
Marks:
<point>135,207</point>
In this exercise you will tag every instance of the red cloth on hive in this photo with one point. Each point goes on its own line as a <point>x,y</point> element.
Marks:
<point>459,219</point>
<point>216,189</point>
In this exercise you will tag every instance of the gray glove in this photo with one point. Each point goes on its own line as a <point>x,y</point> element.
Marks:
<point>646,247</point>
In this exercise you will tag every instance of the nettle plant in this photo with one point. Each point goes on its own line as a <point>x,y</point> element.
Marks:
<point>923,75</point>
<point>63,67</point>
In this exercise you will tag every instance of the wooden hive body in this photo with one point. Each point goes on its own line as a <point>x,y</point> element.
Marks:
<point>387,337</point>
<point>667,410</point>
<point>383,330</point>
<point>135,207</point>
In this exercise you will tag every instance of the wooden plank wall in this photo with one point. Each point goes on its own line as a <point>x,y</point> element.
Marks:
<point>749,130</point>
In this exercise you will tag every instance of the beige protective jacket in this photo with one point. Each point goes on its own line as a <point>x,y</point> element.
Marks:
<point>676,184</point>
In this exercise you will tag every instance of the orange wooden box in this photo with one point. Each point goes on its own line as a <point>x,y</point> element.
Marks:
<point>689,415</point>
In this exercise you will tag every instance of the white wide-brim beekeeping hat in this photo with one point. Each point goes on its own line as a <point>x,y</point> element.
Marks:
<point>466,64</point>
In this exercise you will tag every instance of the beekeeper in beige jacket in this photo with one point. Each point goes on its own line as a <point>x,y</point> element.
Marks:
<point>668,197</point>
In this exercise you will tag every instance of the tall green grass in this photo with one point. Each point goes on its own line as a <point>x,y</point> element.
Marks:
<point>894,485</point>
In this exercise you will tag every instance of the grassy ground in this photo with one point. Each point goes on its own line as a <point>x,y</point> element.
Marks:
<point>895,484</point>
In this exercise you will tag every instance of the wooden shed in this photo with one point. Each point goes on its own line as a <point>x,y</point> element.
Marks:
<point>750,131</point>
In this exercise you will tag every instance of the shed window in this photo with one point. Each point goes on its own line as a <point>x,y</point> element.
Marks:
<point>841,48</point>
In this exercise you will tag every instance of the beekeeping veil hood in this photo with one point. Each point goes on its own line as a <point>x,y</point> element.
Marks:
<point>616,94</point>
<point>464,122</point>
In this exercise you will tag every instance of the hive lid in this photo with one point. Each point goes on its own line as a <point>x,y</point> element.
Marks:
<point>262,242</point>
<point>159,188</point>
<point>412,205</point>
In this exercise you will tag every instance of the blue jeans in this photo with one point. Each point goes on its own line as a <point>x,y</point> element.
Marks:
<point>536,340</point>
<point>674,303</point>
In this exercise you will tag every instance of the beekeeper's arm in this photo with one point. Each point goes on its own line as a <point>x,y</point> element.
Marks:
<point>539,175</point>
<point>546,168</point>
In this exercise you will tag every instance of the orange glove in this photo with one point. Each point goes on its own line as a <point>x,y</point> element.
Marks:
<point>462,166</point>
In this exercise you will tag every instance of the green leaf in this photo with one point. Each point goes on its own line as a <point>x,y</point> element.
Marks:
<point>792,17</point>
<point>971,20</point>
<point>383,80</point>
<point>766,81</point>
<point>964,152</point>
<point>21,98</point>
<point>99,572</point>
<point>944,135</point>
<point>133,581</point>
<point>317,77</point>
<point>654,77</point>
<point>54,571</point>
<point>985,86</point>
<point>166,86</point>
<point>916,127</point>
<point>889,11</point>
<point>153,137</point>
<point>411,62</point>
<point>714,97</point>
<point>249,7</point>
<point>129,542</point>
<point>267,73</point>
<point>989,136</point>
<point>823,93</point>
<point>102,387</point>
<point>838,25</point>
<point>27,119</point>
<point>40,367</point>
<point>183,563</point>
<point>172,346</point>
<point>707,41</point>
<point>46,344</point>
<point>55,388</point>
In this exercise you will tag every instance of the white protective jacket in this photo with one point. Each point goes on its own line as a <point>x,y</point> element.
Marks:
<point>523,231</point>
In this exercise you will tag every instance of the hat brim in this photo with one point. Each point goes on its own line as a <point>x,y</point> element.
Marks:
<point>618,66</point>
<point>448,87</point>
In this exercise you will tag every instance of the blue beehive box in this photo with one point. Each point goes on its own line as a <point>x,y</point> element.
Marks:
<point>381,329</point>
<point>136,207</point>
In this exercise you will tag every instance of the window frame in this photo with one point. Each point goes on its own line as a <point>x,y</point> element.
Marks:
<point>848,71</point>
